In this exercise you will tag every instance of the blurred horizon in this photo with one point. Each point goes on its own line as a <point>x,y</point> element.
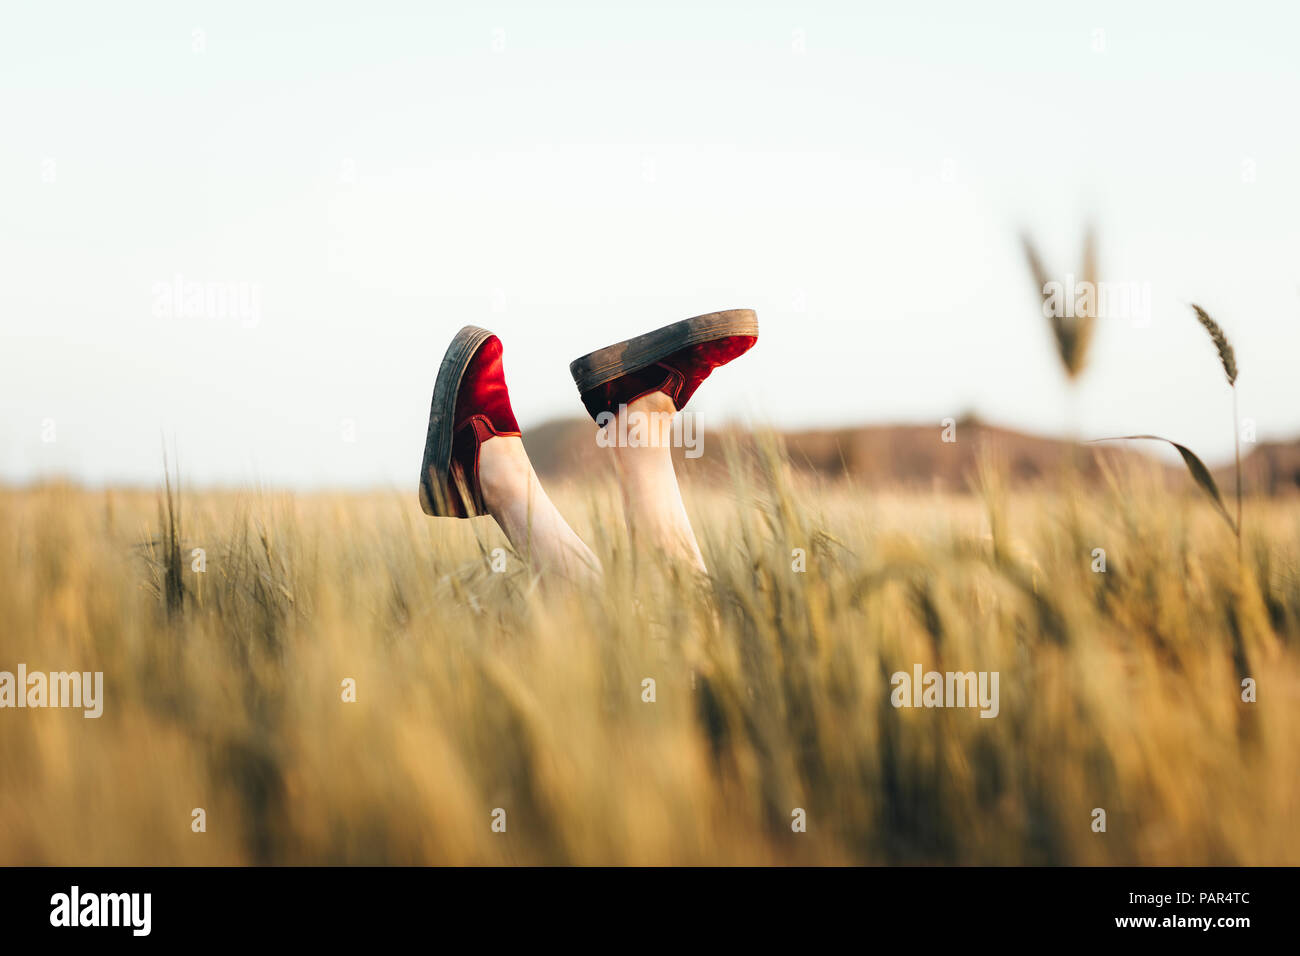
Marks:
<point>893,458</point>
<point>370,180</point>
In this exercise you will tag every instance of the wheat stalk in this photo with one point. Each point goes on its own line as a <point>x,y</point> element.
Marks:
<point>1072,334</point>
<point>1228,359</point>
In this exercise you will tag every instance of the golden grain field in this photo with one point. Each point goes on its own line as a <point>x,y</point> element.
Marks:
<point>479,691</point>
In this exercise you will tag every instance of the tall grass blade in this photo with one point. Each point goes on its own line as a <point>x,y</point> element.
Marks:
<point>1200,474</point>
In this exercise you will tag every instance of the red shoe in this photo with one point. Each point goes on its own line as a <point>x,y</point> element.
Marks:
<point>673,360</point>
<point>470,405</point>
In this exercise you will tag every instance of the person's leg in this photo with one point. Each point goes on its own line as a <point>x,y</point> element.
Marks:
<point>475,463</point>
<point>652,499</point>
<point>652,377</point>
<point>515,498</point>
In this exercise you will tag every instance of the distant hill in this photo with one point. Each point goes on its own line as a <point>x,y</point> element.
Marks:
<point>912,456</point>
<point>1268,468</point>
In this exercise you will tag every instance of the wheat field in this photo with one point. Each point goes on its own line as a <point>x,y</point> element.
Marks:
<point>485,696</point>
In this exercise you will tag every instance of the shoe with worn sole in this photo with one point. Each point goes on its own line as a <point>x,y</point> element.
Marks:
<point>470,405</point>
<point>673,360</point>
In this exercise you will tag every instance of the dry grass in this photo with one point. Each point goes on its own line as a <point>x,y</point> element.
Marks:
<point>479,690</point>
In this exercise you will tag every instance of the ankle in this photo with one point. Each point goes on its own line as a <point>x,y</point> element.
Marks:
<point>503,470</point>
<point>645,423</point>
<point>659,403</point>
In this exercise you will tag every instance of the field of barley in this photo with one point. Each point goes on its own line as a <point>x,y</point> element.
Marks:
<point>486,696</point>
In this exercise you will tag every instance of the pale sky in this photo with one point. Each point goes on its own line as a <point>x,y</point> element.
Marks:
<point>376,175</point>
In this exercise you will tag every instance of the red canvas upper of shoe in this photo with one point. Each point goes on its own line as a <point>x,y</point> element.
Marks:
<point>482,411</point>
<point>483,393</point>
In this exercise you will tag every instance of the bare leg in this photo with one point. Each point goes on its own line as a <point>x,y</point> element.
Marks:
<point>652,500</point>
<point>535,527</point>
